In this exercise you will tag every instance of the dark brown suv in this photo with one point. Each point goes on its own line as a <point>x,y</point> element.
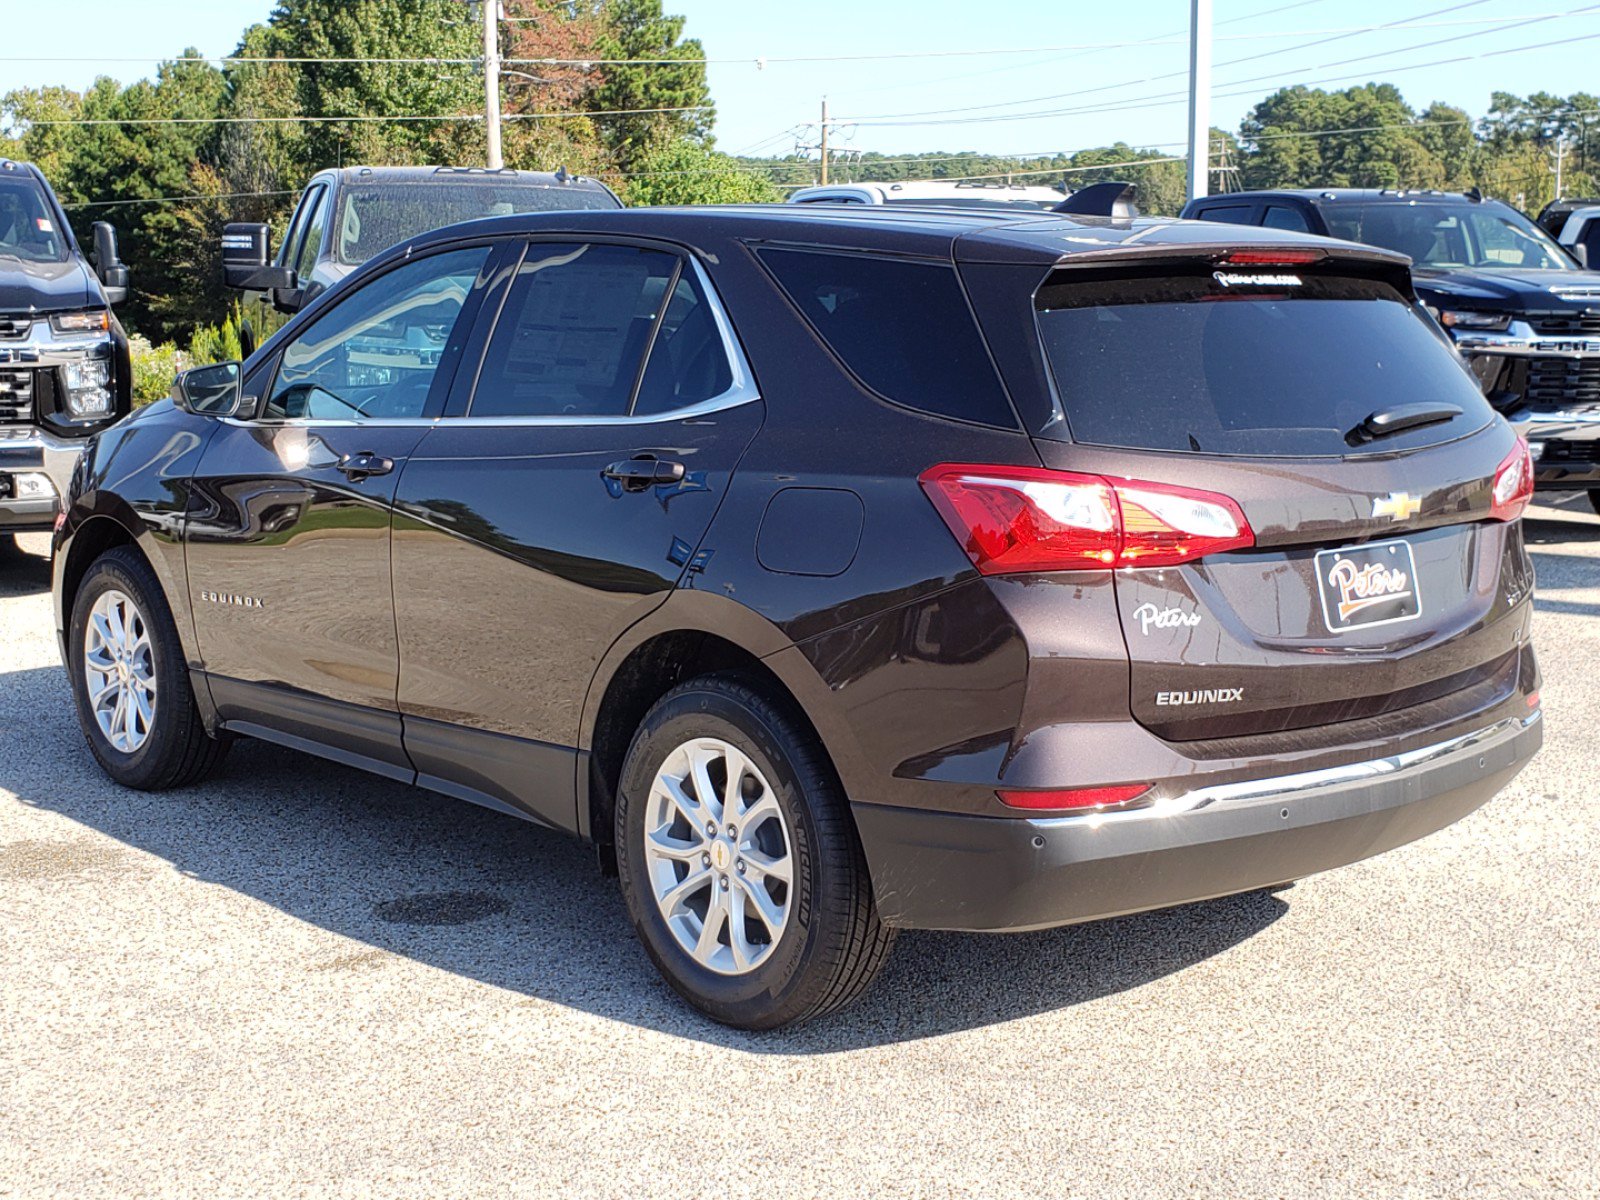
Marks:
<point>837,571</point>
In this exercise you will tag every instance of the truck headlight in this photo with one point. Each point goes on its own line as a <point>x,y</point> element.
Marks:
<point>96,320</point>
<point>1487,321</point>
<point>88,383</point>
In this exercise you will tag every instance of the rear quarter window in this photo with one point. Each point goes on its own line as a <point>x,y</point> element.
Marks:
<point>902,328</point>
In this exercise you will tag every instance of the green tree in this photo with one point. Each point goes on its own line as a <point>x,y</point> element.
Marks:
<point>1360,137</point>
<point>135,159</point>
<point>637,29</point>
<point>687,171</point>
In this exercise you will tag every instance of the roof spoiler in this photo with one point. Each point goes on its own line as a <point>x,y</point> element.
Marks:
<point>1110,199</point>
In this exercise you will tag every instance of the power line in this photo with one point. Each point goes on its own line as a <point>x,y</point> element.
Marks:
<point>1165,99</point>
<point>758,61</point>
<point>1340,35</point>
<point>611,112</point>
<point>177,199</point>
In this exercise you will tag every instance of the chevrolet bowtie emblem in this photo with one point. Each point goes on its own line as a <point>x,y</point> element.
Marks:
<point>1396,505</point>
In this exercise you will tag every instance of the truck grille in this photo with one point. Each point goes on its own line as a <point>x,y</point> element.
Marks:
<point>1571,324</point>
<point>1569,452</point>
<point>16,396</point>
<point>12,327</point>
<point>1563,382</point>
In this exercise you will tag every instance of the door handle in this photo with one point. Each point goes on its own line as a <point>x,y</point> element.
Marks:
<point>358,466</point>
<point>637,474</point>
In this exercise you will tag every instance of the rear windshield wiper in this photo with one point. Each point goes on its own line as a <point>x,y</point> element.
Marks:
<point>1399,418</point>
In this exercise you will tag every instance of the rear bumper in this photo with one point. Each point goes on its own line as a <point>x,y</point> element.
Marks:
<point>934,870</point>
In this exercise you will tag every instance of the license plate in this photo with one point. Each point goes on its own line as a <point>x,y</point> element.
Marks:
<point>1362,586</point>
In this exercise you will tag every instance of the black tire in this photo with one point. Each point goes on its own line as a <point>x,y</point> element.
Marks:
<point>177,750</point>
<point>1594,498</point>
<point>833,945</point>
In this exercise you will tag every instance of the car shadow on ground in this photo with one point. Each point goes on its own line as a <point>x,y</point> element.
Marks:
<point>21,573</point>
<point>500,901</point>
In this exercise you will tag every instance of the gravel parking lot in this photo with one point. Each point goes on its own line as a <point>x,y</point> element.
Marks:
<point>299,980</point>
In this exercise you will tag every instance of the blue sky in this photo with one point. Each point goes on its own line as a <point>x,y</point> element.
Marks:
<point>1124,87</point>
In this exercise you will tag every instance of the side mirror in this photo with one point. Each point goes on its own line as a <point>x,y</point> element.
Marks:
<point>210,391</point>
<point>110,269</point>
<point>1580,251</point>
<point>247,259</point>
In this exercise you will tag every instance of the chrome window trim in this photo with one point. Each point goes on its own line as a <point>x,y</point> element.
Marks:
<point>743,391</point>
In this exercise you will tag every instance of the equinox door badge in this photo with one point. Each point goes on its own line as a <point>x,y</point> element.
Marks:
<point>1150,617</point>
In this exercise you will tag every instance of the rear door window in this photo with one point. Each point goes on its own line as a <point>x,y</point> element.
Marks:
<point>1191,364</point>
<point>901,327</point>
<point>574,331</point>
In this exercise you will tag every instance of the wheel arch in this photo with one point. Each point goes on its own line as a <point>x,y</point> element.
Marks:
<point>692,634</point>
<point>94,534</point>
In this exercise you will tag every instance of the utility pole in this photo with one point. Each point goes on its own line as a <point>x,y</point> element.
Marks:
<point>1561,153</point>
<point>824,141</point>
<point>491,81</point>
<point>1199,98</point>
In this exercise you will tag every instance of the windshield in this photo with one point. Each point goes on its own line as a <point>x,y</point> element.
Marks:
<point>1197,365</point>
<point>1485,237</point>
<point>27,230</point>
<point>373,218</point>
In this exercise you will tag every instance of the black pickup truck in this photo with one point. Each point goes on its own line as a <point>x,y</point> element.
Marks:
<point>347,215</point>
<point>64,369</point>
<point>1522,309</point>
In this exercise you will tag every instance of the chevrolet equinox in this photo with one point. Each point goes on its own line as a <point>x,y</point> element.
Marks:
<point>837,571</point>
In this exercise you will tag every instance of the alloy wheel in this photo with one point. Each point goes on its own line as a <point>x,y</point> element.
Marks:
<point>119,669</point>
<point>719,856</point>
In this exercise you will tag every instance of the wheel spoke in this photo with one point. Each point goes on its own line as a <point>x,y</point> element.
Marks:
<point>768,867</point>
<point>716,915</point>
<point>766,908</point>
<point>700,766</point>
<point>764,808</point>
<point>102,631</point>
<point>673,898</point>
<point>732,797</point>
<point>114,621</point>
<point>107,684</point>
<point>144,709</point>
<point>692,812</point>
<point>738,944</point>
<point>667,846</point>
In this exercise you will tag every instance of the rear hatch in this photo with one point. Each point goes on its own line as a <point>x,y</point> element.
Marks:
<point>1308,400</point>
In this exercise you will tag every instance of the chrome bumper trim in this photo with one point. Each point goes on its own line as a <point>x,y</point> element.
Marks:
<point>1284,787</point>
<point>30,448</point>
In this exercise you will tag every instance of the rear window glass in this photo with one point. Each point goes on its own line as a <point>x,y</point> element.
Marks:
<point>902,328</point>
<point>1190,364</point>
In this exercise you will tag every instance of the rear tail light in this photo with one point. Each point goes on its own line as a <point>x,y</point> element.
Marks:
<point>1075,798</point>
<point>1513,484</point>
<point>1012,519</point>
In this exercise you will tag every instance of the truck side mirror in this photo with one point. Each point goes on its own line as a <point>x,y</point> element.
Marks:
<point>209,391</point>
<point>108,267</point>
<point>1580,251</point>
<point>247,259</point>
